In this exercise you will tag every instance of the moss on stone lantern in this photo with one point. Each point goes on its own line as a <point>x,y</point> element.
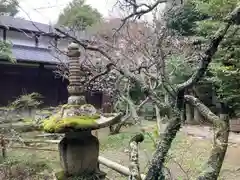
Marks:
<point>79,149</point>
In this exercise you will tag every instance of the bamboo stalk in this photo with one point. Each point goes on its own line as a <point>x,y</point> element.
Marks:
<point>33,141</point>
<point>32,148</point>
<point>116,167</point>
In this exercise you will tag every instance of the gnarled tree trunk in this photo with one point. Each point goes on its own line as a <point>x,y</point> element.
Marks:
<point>221,127</point>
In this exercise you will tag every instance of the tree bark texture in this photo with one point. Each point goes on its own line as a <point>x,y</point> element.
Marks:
<point>155,171</point>
<point>134,113</point>
<point>134,162</point>
<point>221,127</point>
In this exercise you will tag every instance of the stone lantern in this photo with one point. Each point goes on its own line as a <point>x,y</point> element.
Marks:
<point>79,149</point>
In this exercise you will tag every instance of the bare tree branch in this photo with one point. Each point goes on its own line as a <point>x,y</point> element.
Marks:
<point>134,163</point>
<point>138,11</point>
<point>86,45</point>
<point>108,69</point>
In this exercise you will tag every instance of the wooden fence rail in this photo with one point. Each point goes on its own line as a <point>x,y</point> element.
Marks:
<point>26,141</point>
<point>104,161</point>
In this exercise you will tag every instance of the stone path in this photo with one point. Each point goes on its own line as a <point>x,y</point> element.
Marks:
<point>202,132</point>
<point>205,132</point>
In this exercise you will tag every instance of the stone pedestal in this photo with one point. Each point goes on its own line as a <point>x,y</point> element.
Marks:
<point>79,153</point>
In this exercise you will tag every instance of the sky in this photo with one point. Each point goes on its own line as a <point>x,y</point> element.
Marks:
<point>47,11</point>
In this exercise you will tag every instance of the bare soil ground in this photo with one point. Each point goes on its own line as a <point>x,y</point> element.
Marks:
<point>187,156</point>
<point>186,159</point>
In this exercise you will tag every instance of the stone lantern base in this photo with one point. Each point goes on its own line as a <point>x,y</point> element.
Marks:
<point>79,153</point>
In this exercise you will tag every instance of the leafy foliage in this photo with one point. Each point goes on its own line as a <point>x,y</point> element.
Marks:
<point>9,7</point>
<point>78,14</point>
<point>136,93</point>
<point>6,52</point>
<point>178,69</point>
<point>183,18</point>
<point>204,18</point>
<point>225,69</point>
<point>27,101</point>
<point>216,9</point>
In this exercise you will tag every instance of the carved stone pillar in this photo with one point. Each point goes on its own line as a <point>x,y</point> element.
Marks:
<point>76,87</point>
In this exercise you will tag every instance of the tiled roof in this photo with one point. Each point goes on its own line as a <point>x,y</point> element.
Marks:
<point>34,54</point>
<point>18,23</point>
<point>26,25</point>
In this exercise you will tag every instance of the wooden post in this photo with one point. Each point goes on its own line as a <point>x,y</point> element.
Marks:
<point>3,146</point>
